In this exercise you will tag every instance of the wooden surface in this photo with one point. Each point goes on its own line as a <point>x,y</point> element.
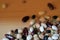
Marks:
<point>16,8</point>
